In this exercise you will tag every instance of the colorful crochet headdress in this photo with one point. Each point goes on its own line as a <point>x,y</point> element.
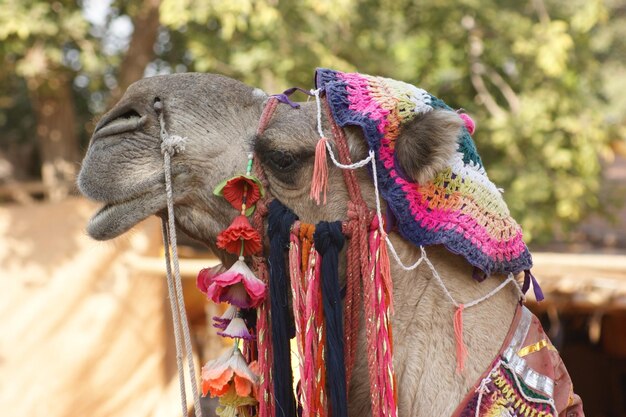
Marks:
<point>460,208</point>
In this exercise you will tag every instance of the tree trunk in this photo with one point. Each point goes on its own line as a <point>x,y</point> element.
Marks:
<point>141,48</point>
<point>53,104</point>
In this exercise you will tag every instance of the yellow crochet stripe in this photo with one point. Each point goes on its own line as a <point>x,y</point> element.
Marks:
<point>474,189</point>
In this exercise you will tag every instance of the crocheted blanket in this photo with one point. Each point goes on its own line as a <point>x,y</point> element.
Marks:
<point>460,208</point>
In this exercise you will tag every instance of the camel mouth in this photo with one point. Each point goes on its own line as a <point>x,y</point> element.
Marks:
<point>113,219</point>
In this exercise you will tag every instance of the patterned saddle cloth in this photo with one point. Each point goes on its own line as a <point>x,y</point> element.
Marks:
<point>527,378</point>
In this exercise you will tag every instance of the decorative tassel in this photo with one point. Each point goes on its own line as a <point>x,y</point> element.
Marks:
<point>328,241</point>
<point>320,406</point>
<point>378,330</point>
<point>385,271</point>
<point>319,183</point>
<point>528,278</point>
<point>266,400</point>
<point>280,220</point>
<point>461,349</point>
<point>313,378</point>
<point>298,291</point>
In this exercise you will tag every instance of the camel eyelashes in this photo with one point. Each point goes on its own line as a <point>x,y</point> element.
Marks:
<point>281,160</point>
<point>282,163</point>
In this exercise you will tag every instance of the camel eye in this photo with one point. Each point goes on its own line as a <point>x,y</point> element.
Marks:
<point>282,161</point>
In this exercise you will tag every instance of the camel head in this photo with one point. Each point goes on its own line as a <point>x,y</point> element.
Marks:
<point>218,116</point>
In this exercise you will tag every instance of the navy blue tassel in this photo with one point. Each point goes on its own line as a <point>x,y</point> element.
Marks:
<point>328,242</point>
<point>280,219</point>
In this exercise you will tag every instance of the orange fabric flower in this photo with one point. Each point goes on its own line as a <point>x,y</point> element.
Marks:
<point>240,232</point>
<point>217,375</point>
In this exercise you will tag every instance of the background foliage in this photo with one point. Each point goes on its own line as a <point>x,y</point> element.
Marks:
<point>542,78</point>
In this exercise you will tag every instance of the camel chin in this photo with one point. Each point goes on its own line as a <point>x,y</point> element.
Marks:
<point>113,219</point>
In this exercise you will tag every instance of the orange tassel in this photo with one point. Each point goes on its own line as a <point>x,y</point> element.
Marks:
<point>385,270</point>
<point>319,183</point>
<point>461,349</point>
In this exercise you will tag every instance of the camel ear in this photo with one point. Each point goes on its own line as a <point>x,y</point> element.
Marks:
<point>426,144</point>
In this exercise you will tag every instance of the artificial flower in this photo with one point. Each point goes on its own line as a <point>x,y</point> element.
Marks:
<point>237,286</point>
<point>232,405</point>
<point>256,369</point>
<point>217,375</point>
<point>239,236</point>
<point>236,329</point>
<point>240,189</point>
<point>221,322</point>
<point>205,276</point>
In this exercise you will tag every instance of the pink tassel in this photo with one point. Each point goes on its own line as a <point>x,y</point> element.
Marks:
<point>461,349</point>
<point>310,329</point>
<point>385,271</point>
<point>264,345</point>
<point>298,290</point>
<point>319,183</point>
<point>380,341</point>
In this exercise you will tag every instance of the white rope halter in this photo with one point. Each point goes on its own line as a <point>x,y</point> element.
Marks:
<point>170,146</point>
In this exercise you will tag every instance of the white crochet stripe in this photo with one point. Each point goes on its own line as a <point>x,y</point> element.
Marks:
<point>416,95</point>
<point>421,98</point>
<point>478,175</point>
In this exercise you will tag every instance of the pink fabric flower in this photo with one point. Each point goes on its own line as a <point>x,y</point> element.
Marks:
<point>237,329</point>
<point>205,276</point>
<point>239,233</point>
<point>237,286</point>
<point>217,375</point>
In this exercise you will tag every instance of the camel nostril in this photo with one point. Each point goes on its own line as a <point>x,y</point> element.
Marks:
<point>122,120</point>
<point>129,115</point>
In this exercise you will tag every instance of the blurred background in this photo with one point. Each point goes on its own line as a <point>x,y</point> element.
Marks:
<point>85,326</point>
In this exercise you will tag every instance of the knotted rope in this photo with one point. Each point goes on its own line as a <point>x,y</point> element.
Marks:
<point>171,145</point>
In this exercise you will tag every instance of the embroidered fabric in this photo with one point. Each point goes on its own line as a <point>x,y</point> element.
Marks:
<point>536,385</point>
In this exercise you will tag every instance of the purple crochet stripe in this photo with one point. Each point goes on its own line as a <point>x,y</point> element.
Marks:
<point>396,198</point>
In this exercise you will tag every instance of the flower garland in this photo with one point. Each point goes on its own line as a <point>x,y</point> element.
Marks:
<point>234,377</point>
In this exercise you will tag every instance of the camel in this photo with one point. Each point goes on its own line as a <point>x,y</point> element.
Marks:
<point>123,169</point>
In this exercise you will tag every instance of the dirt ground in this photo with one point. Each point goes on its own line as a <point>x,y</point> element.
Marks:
<point>83,332</point>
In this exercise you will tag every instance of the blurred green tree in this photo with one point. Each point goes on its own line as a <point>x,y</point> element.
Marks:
<point>541,78</point>
<point>50,51</point>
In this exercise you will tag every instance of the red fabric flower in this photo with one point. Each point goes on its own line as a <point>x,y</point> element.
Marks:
<point>240,232</point>
<point>240,188</point>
